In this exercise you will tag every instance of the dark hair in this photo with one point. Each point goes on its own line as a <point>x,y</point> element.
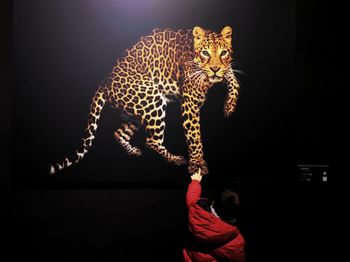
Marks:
<point>227,205</point>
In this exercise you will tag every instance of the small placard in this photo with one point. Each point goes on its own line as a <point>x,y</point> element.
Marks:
<point>313,173</point>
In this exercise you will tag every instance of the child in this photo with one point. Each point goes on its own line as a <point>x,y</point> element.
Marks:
<point>213,233</point>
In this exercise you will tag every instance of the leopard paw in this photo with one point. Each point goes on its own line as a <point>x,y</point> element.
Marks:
<point>194,166</point>
<point>228,110</point>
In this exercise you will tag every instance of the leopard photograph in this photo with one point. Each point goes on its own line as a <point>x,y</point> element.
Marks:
<point>165,66</point>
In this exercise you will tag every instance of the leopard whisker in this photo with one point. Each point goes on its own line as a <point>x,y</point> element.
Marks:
<point>192,65</point>
<point>239,72</point>
<point>233,65</point>
<point>188,78</point>
<point>199,76</point>
<point>194,74</point>
<point>201,79</point>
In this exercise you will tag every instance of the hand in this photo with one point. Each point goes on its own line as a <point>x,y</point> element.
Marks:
<point>197,176</point>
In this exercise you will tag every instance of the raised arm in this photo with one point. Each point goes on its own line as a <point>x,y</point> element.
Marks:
<point>194,188</point>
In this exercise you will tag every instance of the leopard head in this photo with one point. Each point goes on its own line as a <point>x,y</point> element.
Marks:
<point>213,52</point>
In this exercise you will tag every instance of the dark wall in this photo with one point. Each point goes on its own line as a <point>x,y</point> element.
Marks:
<point>114,208</point>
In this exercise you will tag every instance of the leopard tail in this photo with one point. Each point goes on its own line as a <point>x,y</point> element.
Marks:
<point>98,102</point>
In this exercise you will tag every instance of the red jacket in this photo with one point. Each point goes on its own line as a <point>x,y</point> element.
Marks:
<point>212,239</point>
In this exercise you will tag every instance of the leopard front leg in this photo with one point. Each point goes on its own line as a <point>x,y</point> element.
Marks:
<point>191,125</point>
<point>233,92</point>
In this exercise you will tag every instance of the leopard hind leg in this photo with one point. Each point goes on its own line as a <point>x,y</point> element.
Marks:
<point>124,134</point>
<point>154,120</point>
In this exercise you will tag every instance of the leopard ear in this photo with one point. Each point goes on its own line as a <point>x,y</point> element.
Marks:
<point>198,34</point>
<point>226,34</point>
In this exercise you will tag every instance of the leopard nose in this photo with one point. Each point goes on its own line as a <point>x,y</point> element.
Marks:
<point>215,69</point>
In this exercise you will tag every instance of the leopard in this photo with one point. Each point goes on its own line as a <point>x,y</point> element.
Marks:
<point>165,66</point>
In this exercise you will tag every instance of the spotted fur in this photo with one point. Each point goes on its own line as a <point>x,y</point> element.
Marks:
<point>165,65</point>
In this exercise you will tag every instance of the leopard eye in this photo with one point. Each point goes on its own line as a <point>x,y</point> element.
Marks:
<point>205,53</point>
<point>224,53</point>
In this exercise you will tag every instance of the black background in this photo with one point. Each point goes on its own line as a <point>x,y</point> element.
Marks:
<point>113,207</point>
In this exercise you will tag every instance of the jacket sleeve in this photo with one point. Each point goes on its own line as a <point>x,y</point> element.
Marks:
<point>193,192</point>
<point>231,251</point>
